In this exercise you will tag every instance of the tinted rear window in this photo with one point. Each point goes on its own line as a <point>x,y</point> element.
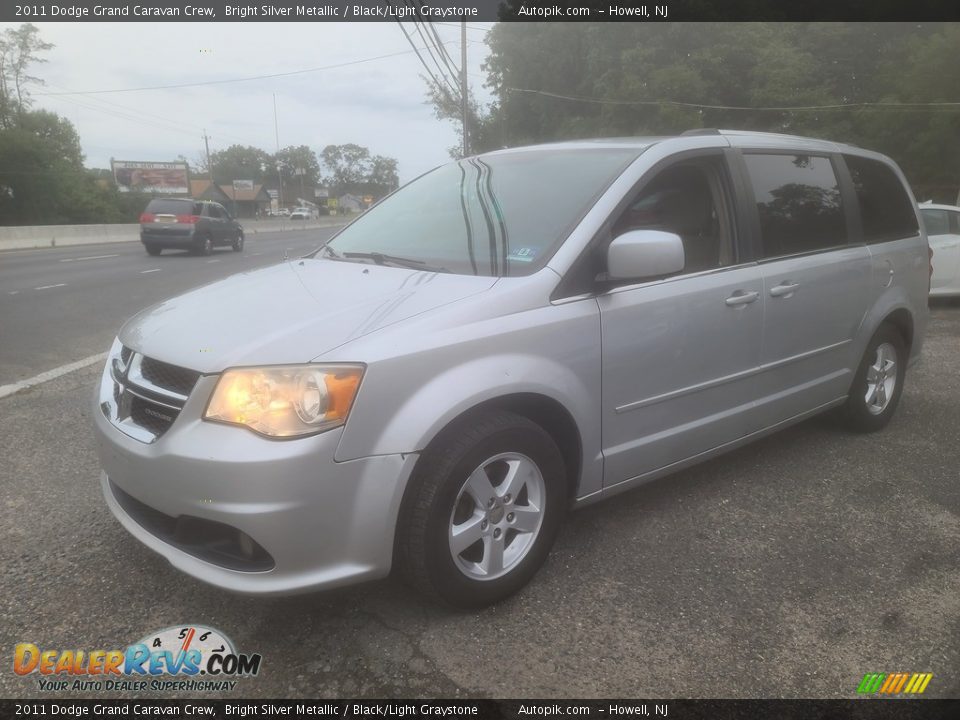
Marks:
<point>798,200</point>
<point>886,211</point>
<point>935,222</point>
<point>169,206</point>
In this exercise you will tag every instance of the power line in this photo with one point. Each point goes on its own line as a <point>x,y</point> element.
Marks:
<point>429,47</point>
<point>469,27</point>
<point>422,61</point>
<point>933,106</point>
<point>448,61</point>
<point>235,80</point>
<point>431,40</point>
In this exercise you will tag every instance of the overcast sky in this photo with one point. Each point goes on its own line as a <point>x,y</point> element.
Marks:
<point>377,104</point>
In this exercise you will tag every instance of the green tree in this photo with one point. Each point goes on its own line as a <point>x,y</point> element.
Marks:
<point>347,166</point>
<point>299,169</point>
<point>19,49</point>
<point>241,162</point>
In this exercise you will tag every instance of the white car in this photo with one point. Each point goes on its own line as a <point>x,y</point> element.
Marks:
<point>301,214</point>
<point>943,232</point>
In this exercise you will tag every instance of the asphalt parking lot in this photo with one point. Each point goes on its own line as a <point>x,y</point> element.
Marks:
<point>789,568</point>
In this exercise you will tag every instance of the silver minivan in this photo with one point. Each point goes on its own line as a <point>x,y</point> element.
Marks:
<point>502,339</point>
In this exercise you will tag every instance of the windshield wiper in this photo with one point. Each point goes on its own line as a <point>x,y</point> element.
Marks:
<point>383,259</point>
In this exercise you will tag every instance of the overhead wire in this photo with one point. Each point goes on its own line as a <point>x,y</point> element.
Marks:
<point>918,107</point>
<point>235,80</point>
<point>423,62</point>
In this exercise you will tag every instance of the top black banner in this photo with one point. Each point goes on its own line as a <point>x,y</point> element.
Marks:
<point>479,10</point>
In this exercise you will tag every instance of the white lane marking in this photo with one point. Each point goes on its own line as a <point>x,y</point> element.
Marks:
<point>255,254</point>
<point>13,292</point>
<point>47,287</point>
<point>92,257</point>
<point>144,272</point>
<point>210,261</point>
<point>43,377</point>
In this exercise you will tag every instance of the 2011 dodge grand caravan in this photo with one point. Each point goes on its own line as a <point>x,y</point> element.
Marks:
<point>504,338</point>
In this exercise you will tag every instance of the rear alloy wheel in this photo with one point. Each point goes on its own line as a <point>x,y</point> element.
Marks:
<point>237,244</point>
<point>482,510</point>
<point>877,386</point>
<point>153,250</point>
<point>206,246</point>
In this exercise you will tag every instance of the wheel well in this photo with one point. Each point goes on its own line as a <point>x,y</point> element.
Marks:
<point>903,322</point>
<point>540,409</point>
<point>548,414</point>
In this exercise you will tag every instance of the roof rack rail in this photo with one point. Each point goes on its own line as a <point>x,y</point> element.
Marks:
<point>701,131</point>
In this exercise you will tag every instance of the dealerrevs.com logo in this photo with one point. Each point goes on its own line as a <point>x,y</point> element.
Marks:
<point>189,658</point>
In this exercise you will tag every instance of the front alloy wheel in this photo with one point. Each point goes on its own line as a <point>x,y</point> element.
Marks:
<point>482,509</point>
<point>497,516</point>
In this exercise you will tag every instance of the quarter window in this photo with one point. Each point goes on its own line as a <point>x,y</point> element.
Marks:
<point>886,211</point>
<point>798,201</point>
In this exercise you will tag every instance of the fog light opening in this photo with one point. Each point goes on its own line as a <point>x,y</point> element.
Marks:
<point>246,544</point>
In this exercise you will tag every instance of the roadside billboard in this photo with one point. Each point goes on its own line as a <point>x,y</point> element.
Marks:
<point>165,178</point>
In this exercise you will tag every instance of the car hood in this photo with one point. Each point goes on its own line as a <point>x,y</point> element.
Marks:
<point>288,313</point>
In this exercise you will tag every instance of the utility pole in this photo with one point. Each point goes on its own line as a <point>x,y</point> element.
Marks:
<point>463,85</point>
<point>276,132</point>
<point>206,142</point>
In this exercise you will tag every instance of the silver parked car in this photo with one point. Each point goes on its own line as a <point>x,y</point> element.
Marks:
<point>504,338</point>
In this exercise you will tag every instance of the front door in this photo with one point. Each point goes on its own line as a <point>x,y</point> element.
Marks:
<point>678,353</point>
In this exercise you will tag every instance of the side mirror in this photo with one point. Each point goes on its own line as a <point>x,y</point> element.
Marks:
<point>639,254</point>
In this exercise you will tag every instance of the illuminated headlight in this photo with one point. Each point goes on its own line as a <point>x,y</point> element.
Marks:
<point>285,401</point>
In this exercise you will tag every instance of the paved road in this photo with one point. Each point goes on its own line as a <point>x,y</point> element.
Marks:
<point>61,305</point>
<point>786,569</point>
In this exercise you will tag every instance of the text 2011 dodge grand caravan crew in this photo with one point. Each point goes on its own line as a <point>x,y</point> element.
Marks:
<point>506,337</point>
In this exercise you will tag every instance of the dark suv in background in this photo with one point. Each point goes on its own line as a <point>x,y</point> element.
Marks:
<point>186,224</point>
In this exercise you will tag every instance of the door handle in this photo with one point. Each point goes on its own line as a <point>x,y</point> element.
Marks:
<point>742,298</point>
<point>784,289</point>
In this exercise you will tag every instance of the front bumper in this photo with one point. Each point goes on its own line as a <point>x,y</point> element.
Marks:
<point>322,523</point>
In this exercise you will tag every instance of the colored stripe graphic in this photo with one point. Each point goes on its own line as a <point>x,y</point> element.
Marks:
<point>894,683</point>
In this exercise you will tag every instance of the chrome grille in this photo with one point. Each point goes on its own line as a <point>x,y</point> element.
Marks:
<point>146,395</point>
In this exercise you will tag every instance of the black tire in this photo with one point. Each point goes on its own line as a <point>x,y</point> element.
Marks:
<point>205,245</point>
<point>153,250</point>
<point>435,494</point>
<point>858,414</point>
<point>237,243</point>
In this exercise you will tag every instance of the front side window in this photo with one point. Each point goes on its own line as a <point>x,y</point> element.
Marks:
<point>936,222</point>
<point>214,211</point>
<point>798,201</point>
<point>886,212</point>
<point>688,200</point>
<point>494,215</point>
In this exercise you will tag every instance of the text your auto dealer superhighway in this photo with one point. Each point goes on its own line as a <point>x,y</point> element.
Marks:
<point>75,11</point>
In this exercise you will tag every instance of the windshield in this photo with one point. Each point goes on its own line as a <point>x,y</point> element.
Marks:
<point>498,215</point>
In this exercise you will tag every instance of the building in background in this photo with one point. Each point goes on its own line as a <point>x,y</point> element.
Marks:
<point>206,190</point>
<point>246,199</point>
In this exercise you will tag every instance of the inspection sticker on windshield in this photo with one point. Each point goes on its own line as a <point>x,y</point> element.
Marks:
<point>524,254</point>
